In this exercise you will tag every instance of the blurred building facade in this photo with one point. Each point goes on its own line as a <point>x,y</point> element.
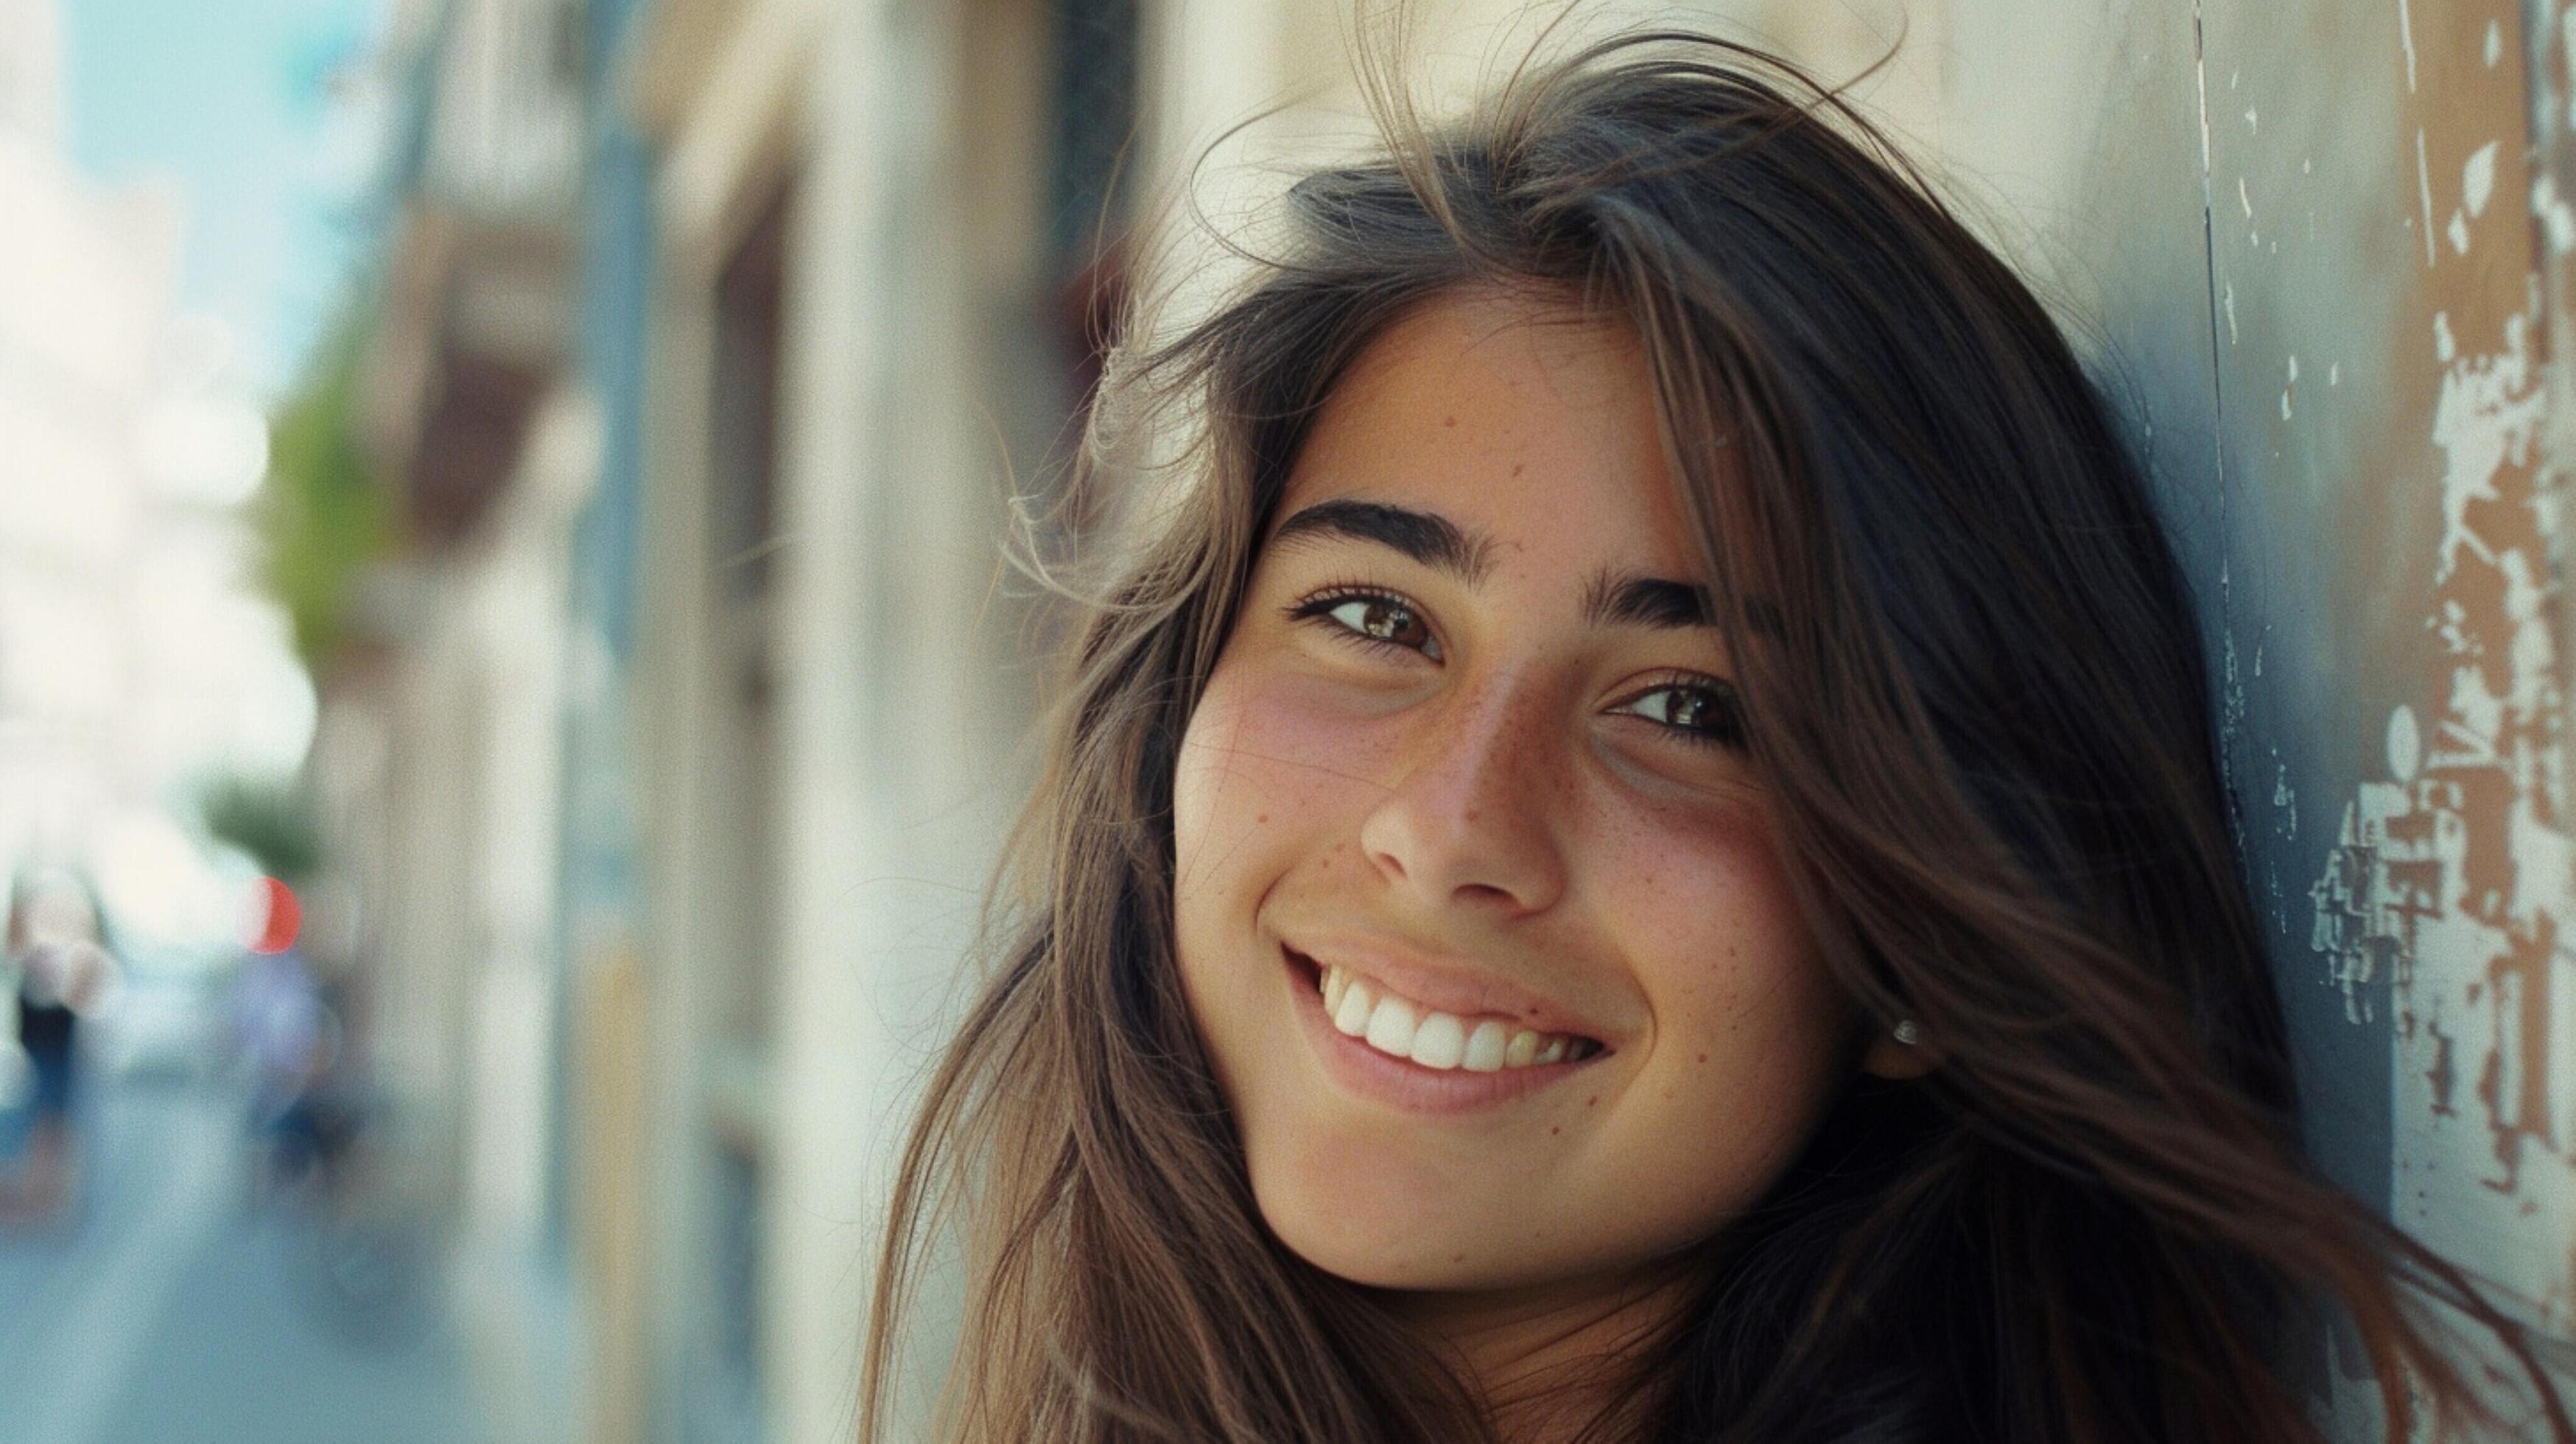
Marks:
<point>717,335</point>
<point>132,650</point>
<point>85,302</point>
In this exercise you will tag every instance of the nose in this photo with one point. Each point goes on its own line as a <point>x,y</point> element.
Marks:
<point>1469,821</point>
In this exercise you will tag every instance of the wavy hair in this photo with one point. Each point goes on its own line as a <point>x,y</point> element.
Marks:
<point>1982,713</point>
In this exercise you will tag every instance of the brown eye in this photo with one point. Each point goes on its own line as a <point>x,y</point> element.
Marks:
<point>1375,618</point>
<point>1698,712</point>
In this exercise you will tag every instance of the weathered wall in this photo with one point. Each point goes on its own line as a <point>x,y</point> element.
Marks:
<point>2400,519</point>
<point>2391,533</point>
<point>2323,271</point>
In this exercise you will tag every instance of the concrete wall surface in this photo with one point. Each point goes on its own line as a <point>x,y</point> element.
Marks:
<point>2318,254</point>
<point>2318,250</point>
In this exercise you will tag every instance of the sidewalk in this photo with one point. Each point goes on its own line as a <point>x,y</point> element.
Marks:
<point>515,1315</point>
<point>166,1307</point>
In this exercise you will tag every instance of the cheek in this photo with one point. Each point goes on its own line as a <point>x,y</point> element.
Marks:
<point>1207,784</point>
<point>1216,799</point>
<point>1749,1025</point>
<point>1244,808</point>
<point>1710,916</point>
<point>1268,768</point>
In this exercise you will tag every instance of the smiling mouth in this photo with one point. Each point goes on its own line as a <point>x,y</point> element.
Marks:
<point>1398,1027</point>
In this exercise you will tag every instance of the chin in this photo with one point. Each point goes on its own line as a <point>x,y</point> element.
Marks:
<point>1412,1260</point>
<point>1381,1227</point>
<point>1370,1225</point>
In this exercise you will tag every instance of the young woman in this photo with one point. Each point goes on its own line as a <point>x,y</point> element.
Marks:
<point>1640,858</point>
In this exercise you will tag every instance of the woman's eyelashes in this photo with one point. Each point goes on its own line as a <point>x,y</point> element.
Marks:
<point>1370,618</point>
<point>1702,710</point>
<point>1696,709</point>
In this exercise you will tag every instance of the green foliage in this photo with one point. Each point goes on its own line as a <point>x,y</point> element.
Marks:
<point>322,518</point>
<point>270,819</point>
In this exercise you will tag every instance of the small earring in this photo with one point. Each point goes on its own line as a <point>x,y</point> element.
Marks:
<point>1907,1032</point>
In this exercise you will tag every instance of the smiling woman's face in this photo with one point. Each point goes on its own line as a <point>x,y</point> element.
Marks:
<point>1478,904</point>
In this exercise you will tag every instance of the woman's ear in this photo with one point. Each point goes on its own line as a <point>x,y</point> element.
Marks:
<point>1899,1052</point>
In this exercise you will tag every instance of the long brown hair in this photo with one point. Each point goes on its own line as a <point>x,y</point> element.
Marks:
<point>1979,704</point>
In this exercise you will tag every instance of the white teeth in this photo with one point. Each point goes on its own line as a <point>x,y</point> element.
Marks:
<point>1351,1015</point>
<point>1433,1039</point>
<point>1391,1027</point>
<point>1440,1042</point>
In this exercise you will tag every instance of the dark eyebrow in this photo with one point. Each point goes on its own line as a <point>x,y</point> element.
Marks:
<point>1613,599</point>
<point>1635,601</point>
<point>1628,600</point>
<point>1427,537</point>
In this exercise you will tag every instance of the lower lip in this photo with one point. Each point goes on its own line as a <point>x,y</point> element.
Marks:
<point>1408,1086</point>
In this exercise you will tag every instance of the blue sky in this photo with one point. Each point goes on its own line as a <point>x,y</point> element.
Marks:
<point>235,101</point>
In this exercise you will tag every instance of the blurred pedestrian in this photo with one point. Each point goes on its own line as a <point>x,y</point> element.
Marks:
<point>63,972</point>
<point>287,1039</point>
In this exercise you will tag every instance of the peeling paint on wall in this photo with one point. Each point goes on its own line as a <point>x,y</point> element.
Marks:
<point>2336,246</point>
<point>2448,893</point>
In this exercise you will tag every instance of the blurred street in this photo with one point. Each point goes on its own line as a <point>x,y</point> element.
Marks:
<point>172,1305</point>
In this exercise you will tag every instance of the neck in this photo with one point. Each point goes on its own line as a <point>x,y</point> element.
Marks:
<point>1547,1358</point>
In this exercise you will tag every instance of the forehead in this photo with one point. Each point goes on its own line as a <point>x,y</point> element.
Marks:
<point>1511,417</point>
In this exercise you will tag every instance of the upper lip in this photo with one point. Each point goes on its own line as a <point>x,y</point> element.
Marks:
<point>1444,984</point>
